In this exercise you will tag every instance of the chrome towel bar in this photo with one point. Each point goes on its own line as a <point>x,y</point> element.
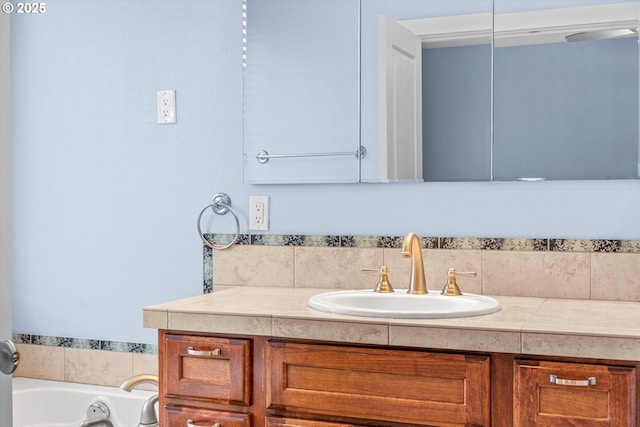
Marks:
<point>264,156</point>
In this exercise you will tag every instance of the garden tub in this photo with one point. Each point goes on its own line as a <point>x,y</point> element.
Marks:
<point>44,403</point>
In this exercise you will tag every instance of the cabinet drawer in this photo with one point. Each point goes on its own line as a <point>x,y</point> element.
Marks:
<point>212,368</point>
<point>557,394</point>
<point>293,422</point>
<point>379,384</point>
<point>178,416</point>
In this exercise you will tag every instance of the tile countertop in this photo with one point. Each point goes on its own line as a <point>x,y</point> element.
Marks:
<point>553,327</point>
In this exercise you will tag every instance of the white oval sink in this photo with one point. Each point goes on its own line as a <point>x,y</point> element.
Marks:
<point>402,305</point>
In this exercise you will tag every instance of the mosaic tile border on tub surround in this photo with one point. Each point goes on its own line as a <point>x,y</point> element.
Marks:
<point>86,344</point>
<point>470,243</point>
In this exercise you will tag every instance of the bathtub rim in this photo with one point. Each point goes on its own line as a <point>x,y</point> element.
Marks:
<point>19,384</point>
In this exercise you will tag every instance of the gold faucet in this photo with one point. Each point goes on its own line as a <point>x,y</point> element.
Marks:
<point>411,248</point>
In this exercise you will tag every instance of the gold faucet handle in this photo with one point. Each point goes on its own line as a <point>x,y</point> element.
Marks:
<point>452,288</point>
<point>383,286</point>
<point>462,273</point>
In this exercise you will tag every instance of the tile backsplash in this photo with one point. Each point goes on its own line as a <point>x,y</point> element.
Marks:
<point>548,268</point>
<point>551,268</point>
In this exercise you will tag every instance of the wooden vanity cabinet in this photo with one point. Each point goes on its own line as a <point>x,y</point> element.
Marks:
<point>253,381</point>
<point>232,381</point>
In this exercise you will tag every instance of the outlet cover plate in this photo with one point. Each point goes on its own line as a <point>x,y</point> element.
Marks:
<point>166,101</point>
<point>259,213</point>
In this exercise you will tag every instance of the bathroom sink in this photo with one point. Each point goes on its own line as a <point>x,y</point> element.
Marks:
<point>402,305</point>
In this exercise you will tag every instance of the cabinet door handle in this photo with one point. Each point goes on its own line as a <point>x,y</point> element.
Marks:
<point>208,353</point>
<point>576,383</point>
<point>191,424</point>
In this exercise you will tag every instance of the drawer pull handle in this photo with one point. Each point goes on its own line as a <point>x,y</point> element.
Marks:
<point>208,353</point>
<point>191,424</point>
<point>576,383</point>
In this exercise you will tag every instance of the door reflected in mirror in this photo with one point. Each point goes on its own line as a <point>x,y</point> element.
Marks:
<point>429,119</point>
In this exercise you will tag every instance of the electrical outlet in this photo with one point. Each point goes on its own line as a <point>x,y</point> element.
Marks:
<point>259,213</point>
<point>166,106</point>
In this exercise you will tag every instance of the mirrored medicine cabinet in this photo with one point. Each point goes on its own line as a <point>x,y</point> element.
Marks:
<point>346,91</point>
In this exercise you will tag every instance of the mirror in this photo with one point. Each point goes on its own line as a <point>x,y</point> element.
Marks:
<point>565,90</point>
<point>301,88</point>
<point>323,77</point>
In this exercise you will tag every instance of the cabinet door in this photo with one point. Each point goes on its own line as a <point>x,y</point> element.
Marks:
<point>379,384</point>
<point>211,368</point>
<point>552,394</point>
<point>178,416</point>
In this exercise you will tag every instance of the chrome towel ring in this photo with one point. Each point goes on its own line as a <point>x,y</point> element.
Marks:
<point>220,205</point>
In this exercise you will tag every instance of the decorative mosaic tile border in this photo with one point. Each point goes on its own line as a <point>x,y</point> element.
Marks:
<point>509,244</point>
<point>559,245</point>
<point>86,344</point>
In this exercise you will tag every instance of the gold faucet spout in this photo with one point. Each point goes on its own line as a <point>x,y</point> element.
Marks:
<point>132,382</point>
<point>411,248</point>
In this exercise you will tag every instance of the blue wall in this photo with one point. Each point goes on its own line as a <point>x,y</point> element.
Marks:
<point>105,200</point>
